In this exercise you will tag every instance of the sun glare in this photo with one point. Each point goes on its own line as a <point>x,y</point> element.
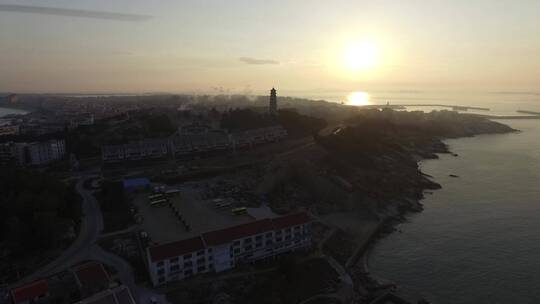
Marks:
<point>358,99</point>
<point>361,56</point>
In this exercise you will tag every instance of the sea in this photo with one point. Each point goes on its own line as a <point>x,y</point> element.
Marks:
<point>7,111</point>
<point>478,238</point>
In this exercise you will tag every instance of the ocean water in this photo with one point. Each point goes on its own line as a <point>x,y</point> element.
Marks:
<point>478,238</point>
<point>7,111</point>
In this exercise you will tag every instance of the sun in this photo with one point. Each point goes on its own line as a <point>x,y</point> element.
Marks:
<point>361,56</point>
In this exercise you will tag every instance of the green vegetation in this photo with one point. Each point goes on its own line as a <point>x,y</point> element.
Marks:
<point>300,125</point>
<point>37,213</point>
<point>114,206</point>
<point>297,125</point>
<point>36,210</point>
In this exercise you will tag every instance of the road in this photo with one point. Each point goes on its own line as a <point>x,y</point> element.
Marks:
<point>85,248</point>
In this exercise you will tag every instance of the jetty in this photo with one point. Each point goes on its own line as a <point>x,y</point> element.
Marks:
<point>528,112</point>
<point>402,106</point>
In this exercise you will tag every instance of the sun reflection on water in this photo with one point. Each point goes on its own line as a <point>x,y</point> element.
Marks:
<point>358,99</point>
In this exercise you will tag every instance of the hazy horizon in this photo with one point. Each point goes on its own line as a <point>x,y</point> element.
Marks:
<point>246,47</point>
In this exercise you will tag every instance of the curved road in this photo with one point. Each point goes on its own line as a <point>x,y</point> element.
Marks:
<point>85,248</point>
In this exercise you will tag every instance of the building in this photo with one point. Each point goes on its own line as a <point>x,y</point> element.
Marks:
<point>35,292</point>
<point>12,153</point>
<point>34,154</point>
<point>118,295</point>
<point>91,278</point>
<point>221,250</point>
<point>9,130</point>
<point>192,141</point>
<point>272,107</point>
<point>87,282</point>
<point>43,153</point>
<point>144,149</point>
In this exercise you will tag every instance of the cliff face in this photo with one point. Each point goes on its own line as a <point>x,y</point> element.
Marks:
<point>378,153</point>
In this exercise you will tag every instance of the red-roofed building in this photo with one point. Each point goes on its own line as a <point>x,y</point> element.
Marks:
<point>30,293</point>
<point>290,220</point>
<point>220,250</point>
<point>181,247</point>
<point>227,235</point>
<point>91,278</point>
<point>118,295</point>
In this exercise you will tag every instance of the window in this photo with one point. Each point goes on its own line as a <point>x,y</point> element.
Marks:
<point>287,237</point>
<point>278,239</point>
<point>258,244</point>
<point>296,228</point>
<point>161,271</point>
<point>201,269</point>
<point>160,263</point>
<point>173,260</point>
<point>175,268</point>
<point>248,240</point>
<point>187,256</point>
<point>201,261</point>
<point>248,247</point>
<point>268,242</point>
<point>278,232</point>
<point>200,253</point>
<point>237,251</point>
<point>188,264</point>
<point>210,258</point>
<point>258,238</point>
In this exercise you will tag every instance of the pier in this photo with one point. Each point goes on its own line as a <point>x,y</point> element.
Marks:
<point>453,107</point>
<point>528,112</point>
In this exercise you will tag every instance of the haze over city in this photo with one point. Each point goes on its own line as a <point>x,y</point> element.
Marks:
<point>273,152</point>
<point>245,46</point>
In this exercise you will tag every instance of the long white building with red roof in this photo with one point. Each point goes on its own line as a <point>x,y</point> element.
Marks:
<point>223,249</point>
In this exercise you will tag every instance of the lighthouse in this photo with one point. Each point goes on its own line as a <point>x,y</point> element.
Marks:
<point>272,107</point>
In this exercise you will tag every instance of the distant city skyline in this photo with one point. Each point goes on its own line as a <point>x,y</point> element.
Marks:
<point>240,47</point>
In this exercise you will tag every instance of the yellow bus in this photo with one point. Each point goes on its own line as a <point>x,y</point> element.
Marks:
<point>239,211</point>
<point>158,203</point>
<point>155,196</point>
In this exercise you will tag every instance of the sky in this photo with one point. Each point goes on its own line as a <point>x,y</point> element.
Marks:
<point>248,46</point>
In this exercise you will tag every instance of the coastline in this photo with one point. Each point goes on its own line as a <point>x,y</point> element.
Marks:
<point>388,225</point>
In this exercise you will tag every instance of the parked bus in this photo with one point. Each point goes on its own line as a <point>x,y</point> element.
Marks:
<point>223,204</point>
<point>155,197</point>
<point>239,211</point>
<point>158,203</point>
<point>172,192</point>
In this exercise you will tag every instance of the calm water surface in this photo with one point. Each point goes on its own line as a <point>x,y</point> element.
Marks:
<point>478,239</point>
<point>6,111</point>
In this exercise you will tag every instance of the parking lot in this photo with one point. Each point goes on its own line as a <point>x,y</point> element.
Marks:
<point>188,214</point>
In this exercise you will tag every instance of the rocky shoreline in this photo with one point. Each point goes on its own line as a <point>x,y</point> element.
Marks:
<point>389,175</point>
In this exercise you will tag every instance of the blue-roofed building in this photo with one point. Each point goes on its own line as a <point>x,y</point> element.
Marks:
<point>134,184</point>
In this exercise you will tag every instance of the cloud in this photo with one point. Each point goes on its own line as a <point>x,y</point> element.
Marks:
<point>250,60</point>
<point>72,13</point>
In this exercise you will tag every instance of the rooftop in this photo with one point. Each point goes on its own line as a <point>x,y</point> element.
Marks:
<point>30,291</point>
<point>165,251</point>
<point>222,236</point>
<point>92,275</point>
